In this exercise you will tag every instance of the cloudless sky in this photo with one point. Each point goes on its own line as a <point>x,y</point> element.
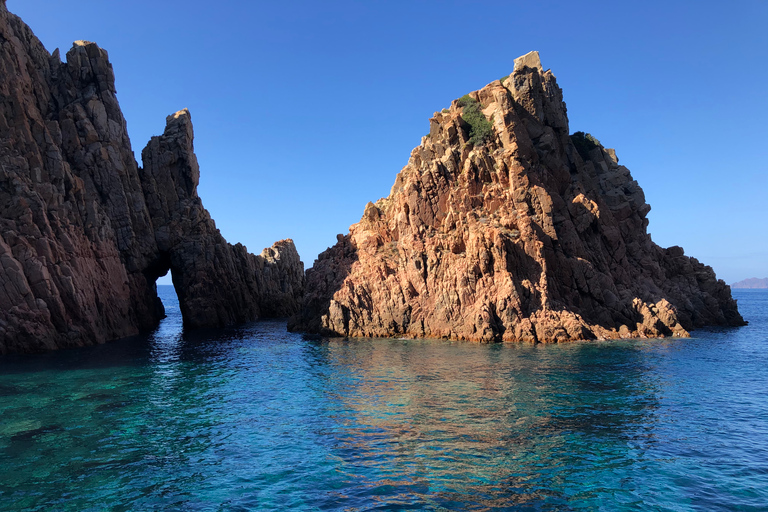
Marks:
<point>305,111</point>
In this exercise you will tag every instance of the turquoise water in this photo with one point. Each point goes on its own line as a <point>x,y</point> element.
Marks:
<point>256,418</point>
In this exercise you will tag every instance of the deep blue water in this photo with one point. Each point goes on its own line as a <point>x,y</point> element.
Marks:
<point>255,418</point>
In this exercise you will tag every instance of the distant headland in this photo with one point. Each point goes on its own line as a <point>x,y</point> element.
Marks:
<point>752,283</point>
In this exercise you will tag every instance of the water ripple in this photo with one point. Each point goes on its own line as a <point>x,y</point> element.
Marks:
<point>255,418</point>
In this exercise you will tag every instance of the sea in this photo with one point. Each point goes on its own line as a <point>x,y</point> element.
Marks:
<point>257,418</point>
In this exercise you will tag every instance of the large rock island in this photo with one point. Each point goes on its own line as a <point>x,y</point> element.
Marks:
<point>505,227</point>
<point>85,232</point>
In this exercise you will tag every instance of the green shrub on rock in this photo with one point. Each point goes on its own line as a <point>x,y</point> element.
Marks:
<point>466,100</point>
<point>480,129</point>
<point>584,142</point>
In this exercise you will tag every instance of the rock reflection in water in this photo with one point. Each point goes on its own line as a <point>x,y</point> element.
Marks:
<point>433,418</point>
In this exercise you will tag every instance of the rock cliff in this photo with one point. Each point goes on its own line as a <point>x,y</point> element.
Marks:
<point>85,232</point>
<point>504,227</point>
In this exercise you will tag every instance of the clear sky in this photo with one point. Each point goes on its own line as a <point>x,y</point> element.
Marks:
<point>305,111</point>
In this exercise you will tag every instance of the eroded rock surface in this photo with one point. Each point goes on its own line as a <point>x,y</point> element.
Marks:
<point>84,232</point>
<point>519,238</point>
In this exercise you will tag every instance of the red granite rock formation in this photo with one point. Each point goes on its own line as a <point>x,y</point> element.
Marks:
<point>84,232</point>
<point>517,237</point>
<point>217,283</point>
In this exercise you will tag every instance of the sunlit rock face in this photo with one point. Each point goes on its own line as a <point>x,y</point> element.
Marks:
<point>85,232</point>
<point>521,236</point>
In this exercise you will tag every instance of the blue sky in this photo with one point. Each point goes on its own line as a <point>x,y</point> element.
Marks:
<point>305,111</point>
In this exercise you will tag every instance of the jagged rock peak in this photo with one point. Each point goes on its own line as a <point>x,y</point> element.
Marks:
<point>504,227</point>
<point>529,60</point>
<point>85,232</point>
<point>182,114</point>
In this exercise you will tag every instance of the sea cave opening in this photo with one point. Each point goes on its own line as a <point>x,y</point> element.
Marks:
<point>167,294</point>
<point>161,274</point>
<point>166,340</point>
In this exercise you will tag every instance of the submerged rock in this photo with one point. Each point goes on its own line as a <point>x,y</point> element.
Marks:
<point>504,227</point>
<point>85,232</point>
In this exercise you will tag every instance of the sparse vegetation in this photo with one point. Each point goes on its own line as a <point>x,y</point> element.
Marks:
<point>445,111</point>
<point>480,129</point>
<point>584,142</point>
<point>503,78</point>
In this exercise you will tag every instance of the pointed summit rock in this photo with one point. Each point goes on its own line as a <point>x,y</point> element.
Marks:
<point>529,60</point>
<point>505,227</point>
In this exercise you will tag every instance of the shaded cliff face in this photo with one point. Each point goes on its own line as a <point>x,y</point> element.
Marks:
<point>517,238</point>
<point>217,283</point>
<point>84,232</point>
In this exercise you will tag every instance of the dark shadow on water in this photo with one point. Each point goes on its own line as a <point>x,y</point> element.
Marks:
<point>169,341</point>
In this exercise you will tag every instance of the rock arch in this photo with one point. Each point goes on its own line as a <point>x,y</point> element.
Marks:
<point>85,231</point>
